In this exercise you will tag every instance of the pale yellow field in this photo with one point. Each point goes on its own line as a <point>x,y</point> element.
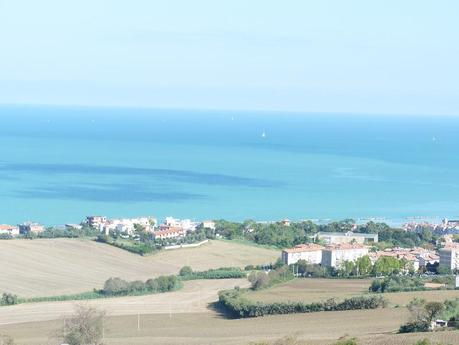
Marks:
<point>206,328</point>
<point>65,266</point>
<point>194,297</point>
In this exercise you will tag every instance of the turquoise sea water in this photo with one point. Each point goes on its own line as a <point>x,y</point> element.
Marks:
<point>60,164</point>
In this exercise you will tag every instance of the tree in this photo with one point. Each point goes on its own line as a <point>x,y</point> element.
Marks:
<point>258,280</point>
<point>115,286</point>
<point>85,327</point>
<point>186,271</point>
<point>433,309</point>
<point>422,314</point>
<point>363,265</point>
<point>8,299</point>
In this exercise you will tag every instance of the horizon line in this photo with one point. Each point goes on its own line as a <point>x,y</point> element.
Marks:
<point>221,110</point>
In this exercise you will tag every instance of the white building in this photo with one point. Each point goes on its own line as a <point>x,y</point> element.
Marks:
<point>9,230</point>
<point>30,227</point>
<point>128,225</point>
<point>311,253</point>
<point>208,224</point>
<point>335,255</point>
<point>449,257</point>
<point>185,224</point>
<point>346,237</point>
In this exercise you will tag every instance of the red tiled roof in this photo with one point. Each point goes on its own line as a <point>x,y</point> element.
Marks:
<point>344,246</point>
<point>304,248</point>
<point>7,227</point>
<point>170,230</point>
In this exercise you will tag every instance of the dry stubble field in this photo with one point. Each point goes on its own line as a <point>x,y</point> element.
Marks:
<point>315,290</point>
<point>66,266</point>
<point>182,317</point>
<point>206,328</point>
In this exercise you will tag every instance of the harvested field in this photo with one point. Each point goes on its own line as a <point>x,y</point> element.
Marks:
<point>183,317</point>
<point>314,290</point>
<point>66,266</point>
<point>194,297</point>
<point>371,328</point>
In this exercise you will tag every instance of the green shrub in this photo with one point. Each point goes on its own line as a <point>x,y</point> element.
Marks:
<point>120,287</point>
<point>395,283</point>
<point>414,326</point>
<point>186,271</point>
<point>217,273</point>
<point>261,280</point>
<point>9,299</point>
<point>351,341</point>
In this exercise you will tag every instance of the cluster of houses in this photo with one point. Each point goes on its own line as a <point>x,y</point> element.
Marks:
<point>447,226</point>
<point>21,229</point>
<point>172,228</point>
<point>340,247</point>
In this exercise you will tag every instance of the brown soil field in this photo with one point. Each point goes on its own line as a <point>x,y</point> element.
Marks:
<point>65,266</point>
<point>314,290</point>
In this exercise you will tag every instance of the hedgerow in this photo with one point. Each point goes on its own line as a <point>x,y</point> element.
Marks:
<point>238,306</point>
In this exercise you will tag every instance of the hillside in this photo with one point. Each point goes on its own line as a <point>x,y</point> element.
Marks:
<point>64,266</point>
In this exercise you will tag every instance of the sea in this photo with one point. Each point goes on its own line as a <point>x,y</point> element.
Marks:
<point>60,164</point>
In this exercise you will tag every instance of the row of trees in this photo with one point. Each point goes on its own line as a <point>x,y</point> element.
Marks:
<point>120,287</point>
<point>396,283</point>
<point>186,273</point>
<point>238,306</point>
<point>362,267</point>
<point>282,236</point>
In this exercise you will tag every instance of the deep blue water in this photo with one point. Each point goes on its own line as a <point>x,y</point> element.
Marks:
<point>60,164</point>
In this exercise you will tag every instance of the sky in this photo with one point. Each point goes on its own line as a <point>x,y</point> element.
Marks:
<point>391,56</point>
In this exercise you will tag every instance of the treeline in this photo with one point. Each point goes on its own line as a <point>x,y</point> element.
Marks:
<point>113,287</point>
<point>238,306</point>
<point>396,283</point>
<point>361,267</point>
<point>120,287</point>
<point>186,273</point>
<point>283,236</point>
<point>56,233</point>
<point>136,247</point>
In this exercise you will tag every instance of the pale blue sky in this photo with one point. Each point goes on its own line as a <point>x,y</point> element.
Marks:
<point>388,56</point>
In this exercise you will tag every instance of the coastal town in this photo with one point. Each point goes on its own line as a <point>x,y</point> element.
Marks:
<point>327,249</point>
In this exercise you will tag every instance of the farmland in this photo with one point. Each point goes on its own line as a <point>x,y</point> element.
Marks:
<point>205,328</point>
<point>66,266</point>
<point>184,317</point>
<point>315,290</point>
